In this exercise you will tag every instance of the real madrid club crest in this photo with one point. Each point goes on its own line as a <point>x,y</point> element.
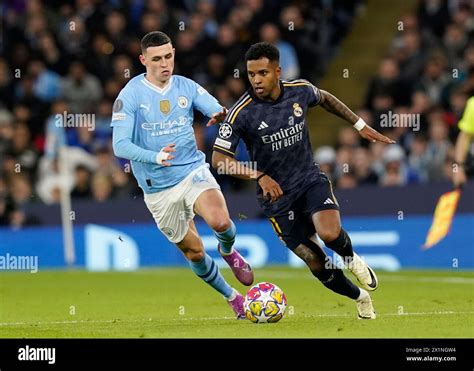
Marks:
<point>165,106</point>
<point>182,101</point>
<point>225,131</point>
<point>297,110</point>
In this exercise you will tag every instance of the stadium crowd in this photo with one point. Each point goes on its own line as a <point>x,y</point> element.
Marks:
<point>417,98</point>
<point>61,58</point>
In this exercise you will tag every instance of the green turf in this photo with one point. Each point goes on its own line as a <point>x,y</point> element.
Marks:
<point>174,303</point>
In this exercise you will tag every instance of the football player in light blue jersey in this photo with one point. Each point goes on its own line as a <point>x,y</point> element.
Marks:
<point>152,127</point>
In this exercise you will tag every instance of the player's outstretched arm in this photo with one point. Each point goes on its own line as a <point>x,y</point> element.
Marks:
<point>331,104</point>
<point>230,166</point>
<point>218,117</point>
<point>124,148</point>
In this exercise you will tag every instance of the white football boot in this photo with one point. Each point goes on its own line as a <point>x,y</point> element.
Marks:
<point>365,308</point>
<point>364,274</point>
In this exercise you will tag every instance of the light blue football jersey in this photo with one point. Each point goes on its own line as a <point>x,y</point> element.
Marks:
<point>160,117</point>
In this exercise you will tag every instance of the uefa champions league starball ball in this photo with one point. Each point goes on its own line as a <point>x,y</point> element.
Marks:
<point>265,302</point>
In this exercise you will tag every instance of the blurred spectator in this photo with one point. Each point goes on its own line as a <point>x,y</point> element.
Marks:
<point>418,159</point>
<point>396,173</point>
<point>100,58</point>
<point>7,210</point>
<point>343,161</point>
<point>21,149</point>
<point>288,59</point>
<point>454,43</point>
<point>362,164</point>
<point>46,83</point>
<point>434,80</point>
<point>54,59</point>
<point>299,33</point>
<point>74,36</point>
<point>20,189</point>
<point>115,27</point>
<point>6,131</point>
<point>80,89</point>
<point>438,150</point>
<point>82,185</point>
<point>325,157</point>
<point>433,15</point>
<point>101,187</point>
<point>228,46</point>
<point>387,82</point>
<point>409,55</point>
<point>347,180</point>
<point>123,69</point>
<point>103,131</point>
<point>348,137</point>
<point>6,85</point>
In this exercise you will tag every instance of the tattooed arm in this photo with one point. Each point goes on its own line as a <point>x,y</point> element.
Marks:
<point>331,104</point>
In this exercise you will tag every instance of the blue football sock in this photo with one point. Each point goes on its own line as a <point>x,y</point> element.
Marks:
<point>208,271</point>
<point>227,238</point>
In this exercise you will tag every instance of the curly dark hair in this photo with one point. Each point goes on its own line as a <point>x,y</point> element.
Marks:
<point>262,50</point>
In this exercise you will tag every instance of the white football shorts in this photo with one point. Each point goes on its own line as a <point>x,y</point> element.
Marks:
<point>173,208</point>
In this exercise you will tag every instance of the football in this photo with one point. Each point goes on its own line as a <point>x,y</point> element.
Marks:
<point>265,302</point>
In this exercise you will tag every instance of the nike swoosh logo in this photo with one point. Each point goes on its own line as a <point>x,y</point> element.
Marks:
<point>373,284</point>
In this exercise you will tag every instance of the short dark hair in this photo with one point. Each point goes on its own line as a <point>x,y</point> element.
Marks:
<point>262,50</point>
<point>154,38</point>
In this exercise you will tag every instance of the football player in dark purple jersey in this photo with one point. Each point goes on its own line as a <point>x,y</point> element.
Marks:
<point>295,195</point>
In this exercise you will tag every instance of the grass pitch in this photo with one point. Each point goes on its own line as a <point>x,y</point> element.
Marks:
<point>173,303</point>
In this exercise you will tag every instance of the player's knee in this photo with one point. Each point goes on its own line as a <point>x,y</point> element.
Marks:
<point>329,234</point>
<point>220,224</point>
<point>195,256</point>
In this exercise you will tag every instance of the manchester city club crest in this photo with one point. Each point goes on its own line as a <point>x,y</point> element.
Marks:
<point>182,101</point>
<point>165,106</point>
<point>225,131</point>
<point>297,110</point>
<point>168,231</point>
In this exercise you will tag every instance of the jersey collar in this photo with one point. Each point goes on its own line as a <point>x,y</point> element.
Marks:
<point>162,91</point>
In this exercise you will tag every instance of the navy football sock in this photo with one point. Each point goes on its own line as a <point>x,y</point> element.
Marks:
<point>335,280</point>
<point>342,245</point>
<point>329,275</point>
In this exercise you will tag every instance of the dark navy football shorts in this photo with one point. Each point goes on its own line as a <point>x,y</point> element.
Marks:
<point>294,226</point>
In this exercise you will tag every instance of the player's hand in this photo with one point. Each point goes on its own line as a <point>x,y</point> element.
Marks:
<point>459,177</point>
<point>217,117</point>
<point>271,189</point>
<point>373,135</point>
<point>165,153</point>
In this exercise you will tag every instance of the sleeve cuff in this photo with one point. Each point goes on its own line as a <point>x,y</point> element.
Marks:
<point>223,150</point>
